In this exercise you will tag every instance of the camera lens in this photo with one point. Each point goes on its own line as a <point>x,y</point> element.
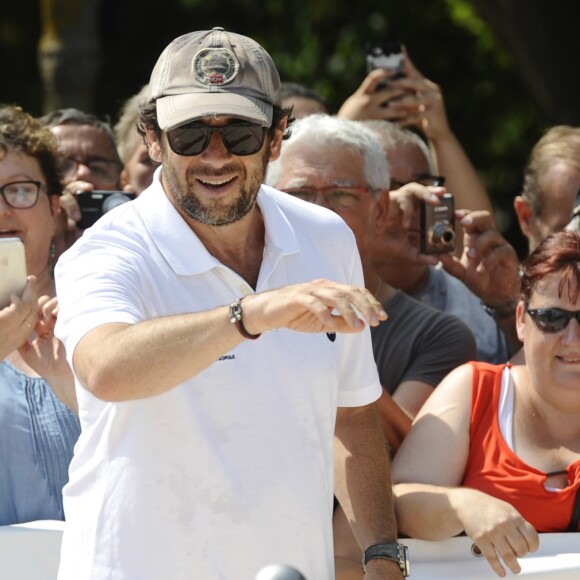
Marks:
<point>114,200</point>
<point>442,234</point>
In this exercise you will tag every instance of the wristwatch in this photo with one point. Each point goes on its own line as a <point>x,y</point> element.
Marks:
<point>389,551</point>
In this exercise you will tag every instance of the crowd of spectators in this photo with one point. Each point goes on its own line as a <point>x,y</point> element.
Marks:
<point>477,365</point>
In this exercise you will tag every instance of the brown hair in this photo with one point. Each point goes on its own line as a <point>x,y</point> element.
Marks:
<point>559,253</point>
<point>148,120</point>
<point>21,132</point>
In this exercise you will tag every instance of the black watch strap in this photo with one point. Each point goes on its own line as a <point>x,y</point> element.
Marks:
<point>389,551</point>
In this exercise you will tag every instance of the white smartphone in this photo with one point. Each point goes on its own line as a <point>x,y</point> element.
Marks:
<point>12,269</point>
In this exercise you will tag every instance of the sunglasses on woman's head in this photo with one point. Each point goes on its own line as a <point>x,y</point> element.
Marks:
<point>552,320</point>
<point>243,138</point>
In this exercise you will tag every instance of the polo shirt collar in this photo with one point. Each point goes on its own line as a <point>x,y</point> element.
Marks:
<point>181,247</point>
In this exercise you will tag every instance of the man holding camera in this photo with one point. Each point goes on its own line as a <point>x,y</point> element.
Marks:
<point>90,170</point>
<point>340,165</point>
<point>212,372</point>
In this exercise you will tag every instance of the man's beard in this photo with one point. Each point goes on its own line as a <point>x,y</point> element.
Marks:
<point>216,212</point>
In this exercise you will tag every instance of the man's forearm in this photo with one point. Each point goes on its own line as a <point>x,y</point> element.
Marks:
<point>362,476</point>
<point>461,178</point>
<point>120,362</point>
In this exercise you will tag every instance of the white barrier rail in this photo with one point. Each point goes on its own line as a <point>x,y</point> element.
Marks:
<point>31,552</point>
<point>558,558</point>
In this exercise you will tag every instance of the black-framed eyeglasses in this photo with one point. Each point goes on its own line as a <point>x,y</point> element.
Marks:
<point>422,178</point>
<point>337,197</point>
<point>552,320</point>
<point>21,194</point>
<point>103,169</point>
<point>240,139</point>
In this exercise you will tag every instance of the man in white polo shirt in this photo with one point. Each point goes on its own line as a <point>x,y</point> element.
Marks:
<point>218,331</point>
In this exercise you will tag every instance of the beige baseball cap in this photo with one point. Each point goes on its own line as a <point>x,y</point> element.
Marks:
<point>214,72</point>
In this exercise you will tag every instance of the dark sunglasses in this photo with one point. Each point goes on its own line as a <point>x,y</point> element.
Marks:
<point>240,139</point>
<point>552,320</point>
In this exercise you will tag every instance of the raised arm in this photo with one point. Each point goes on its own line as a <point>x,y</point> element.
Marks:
<point>423,106</point>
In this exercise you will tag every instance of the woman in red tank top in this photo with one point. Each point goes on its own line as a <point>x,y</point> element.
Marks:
<point>495,451</point>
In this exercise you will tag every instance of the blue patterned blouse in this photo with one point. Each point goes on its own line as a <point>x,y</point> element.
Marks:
<point>37,437</point>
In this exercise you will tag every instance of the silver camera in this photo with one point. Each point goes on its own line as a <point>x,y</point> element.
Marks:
<point>438,226</point>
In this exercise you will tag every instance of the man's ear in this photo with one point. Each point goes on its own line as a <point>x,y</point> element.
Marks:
<point>54,204</point>
<point>525,215</point>
<point>276,143</point>
<point>153,145</point>
<point>521,320</point>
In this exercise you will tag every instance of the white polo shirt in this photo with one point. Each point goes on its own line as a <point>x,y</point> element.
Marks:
<point>232,469</point>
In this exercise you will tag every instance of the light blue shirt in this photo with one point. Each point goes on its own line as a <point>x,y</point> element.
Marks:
<point>37,437</point>
<point>445,292</point>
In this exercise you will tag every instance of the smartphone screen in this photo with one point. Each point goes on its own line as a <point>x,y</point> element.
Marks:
<point>12,269</point>
<point>388,56</point>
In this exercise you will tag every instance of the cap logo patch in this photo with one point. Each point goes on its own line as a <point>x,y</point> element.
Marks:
<point>215,66</point>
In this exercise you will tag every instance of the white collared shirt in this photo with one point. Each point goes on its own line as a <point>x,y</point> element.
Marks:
<point>232,469</point>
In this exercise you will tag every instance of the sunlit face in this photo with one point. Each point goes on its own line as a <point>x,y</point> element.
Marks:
<point>139,168</point>
<point>216,187</point>
<point>553,359</point>
<point>35,225</point>
<point>304,168</point>
<point>86,144</point>
<point>559,187</point>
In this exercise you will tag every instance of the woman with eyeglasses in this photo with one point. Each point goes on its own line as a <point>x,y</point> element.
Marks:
<point>506,439</point>
<point>37,430</point>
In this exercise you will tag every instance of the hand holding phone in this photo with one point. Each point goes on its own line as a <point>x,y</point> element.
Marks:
<point>12,269</point>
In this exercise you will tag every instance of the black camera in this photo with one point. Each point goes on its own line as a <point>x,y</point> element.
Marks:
<point>438,226</point>
<point>387,56</point>
<point>94,204</point>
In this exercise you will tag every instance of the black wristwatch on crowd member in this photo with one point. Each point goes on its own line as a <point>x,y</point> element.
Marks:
<point>388,551</point>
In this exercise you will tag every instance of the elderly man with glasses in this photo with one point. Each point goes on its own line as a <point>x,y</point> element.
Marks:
<point>89,162</point>
<point>339,165</point>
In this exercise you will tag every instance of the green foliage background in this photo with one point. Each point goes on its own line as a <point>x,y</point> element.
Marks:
<point>319,43</point>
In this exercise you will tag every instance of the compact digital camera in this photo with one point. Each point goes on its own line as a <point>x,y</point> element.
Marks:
<point>438,226</point>
<point>94,204</point>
